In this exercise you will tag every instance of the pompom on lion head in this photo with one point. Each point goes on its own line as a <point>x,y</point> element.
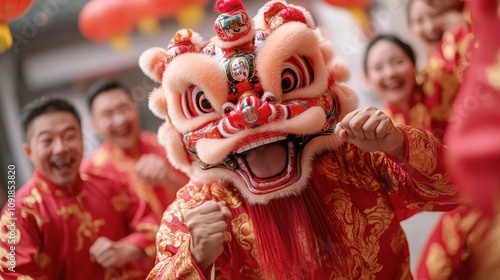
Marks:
<point>254,105</point>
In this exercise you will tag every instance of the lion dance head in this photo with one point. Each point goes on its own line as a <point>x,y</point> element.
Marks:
<point>253,105</point>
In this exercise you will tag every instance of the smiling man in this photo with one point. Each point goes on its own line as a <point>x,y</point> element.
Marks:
<point>128,154</point>
<point>67,225</point>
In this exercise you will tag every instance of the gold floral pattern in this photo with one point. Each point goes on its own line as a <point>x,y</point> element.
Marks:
<point>150,229</point>
<point>452,244</point>
<point>27,212</point>
<point>4,259</point>
<point>364,263</point>
<point>405,268</point>
<point>88,226</point>
<point>4,229</point>
<point>422,152</point>
<point>42,259</point>
<point>398,241</point>
<point>33,198</point>
<point>120,202</point>
<point>180,268</point>
<point>243,232</point>
<point>166,237</point>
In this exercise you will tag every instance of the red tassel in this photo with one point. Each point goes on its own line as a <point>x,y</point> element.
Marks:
<point>298,237</point>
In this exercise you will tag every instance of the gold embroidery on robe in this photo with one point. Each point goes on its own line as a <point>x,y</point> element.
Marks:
<point>43,185</point>
<point>120,202</point>
<point>25,212</point>
<point>249,273</point>
<point>151,229</point>
<point>405,267</point>
<point>398,241</point>
<point>243,232</point>
<point>32,199</point>
<point>5,231</point>
<point>166,237</point>
<point>4,258</point>
<point>88,227</point>
<point>364,264</point>
<point>421,153</point>
<point>42,259</point>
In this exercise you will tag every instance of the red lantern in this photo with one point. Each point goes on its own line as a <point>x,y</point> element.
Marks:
<point>113,20</point>
<point>101,20</point>
<point>9,11</point>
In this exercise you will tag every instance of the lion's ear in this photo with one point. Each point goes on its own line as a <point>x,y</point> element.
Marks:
<point>153,62</point>
<point>158,103</point>
<point>338,71</point>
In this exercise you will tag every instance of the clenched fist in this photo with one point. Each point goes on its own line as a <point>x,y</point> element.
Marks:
<point>155,170</point>
<point>206,224</point>
<point>110,253</point>
<point>371,130</point>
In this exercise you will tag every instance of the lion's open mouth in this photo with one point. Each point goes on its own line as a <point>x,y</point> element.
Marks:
<point>268,164</point>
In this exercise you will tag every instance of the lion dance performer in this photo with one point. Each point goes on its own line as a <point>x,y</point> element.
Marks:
<point>288,179</point>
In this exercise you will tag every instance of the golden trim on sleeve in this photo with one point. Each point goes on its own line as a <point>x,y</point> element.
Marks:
<point>243,232</point>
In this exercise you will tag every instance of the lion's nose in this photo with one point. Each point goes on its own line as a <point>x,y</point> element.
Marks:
<point>250,111</point>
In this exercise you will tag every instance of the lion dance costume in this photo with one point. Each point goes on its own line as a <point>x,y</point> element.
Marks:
<point>249,116</point>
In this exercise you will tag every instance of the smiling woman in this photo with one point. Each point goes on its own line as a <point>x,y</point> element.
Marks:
<point>389,65</point>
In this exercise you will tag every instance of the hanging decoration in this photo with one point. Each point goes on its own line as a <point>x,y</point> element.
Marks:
<point>9,11</point>
<point>113,20</point>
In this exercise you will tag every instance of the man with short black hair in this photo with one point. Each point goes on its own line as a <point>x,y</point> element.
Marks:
<point>67,225</point>
<point>127,153</point>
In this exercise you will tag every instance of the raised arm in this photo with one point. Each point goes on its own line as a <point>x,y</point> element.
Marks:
<point>191,235</point>
<point>409,161</point>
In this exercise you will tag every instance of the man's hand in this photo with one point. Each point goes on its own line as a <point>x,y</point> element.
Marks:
<point>156,171</point>
<point>109,253</point>
<point>206,224</point>
<point>371,130</point>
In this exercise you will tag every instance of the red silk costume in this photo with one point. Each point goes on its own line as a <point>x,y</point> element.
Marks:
<point>55,227</point>
<point>371,192</point>
<point>416,116</point>
<point>449,252</point>
<point>474,134</point>
<point>112,162</point>
<point>465,244</point>
<point>443,75</point>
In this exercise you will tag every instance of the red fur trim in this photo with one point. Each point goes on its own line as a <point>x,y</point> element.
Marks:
<point>225,6</point>
<point>298,237</point>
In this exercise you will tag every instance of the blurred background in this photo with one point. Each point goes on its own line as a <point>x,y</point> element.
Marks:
<point>50,56</point>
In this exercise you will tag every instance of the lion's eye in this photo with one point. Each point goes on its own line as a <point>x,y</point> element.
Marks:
<point>195,103</point>
<point>203,105</point>
<point>289,79</point>
<point>297,73</point>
